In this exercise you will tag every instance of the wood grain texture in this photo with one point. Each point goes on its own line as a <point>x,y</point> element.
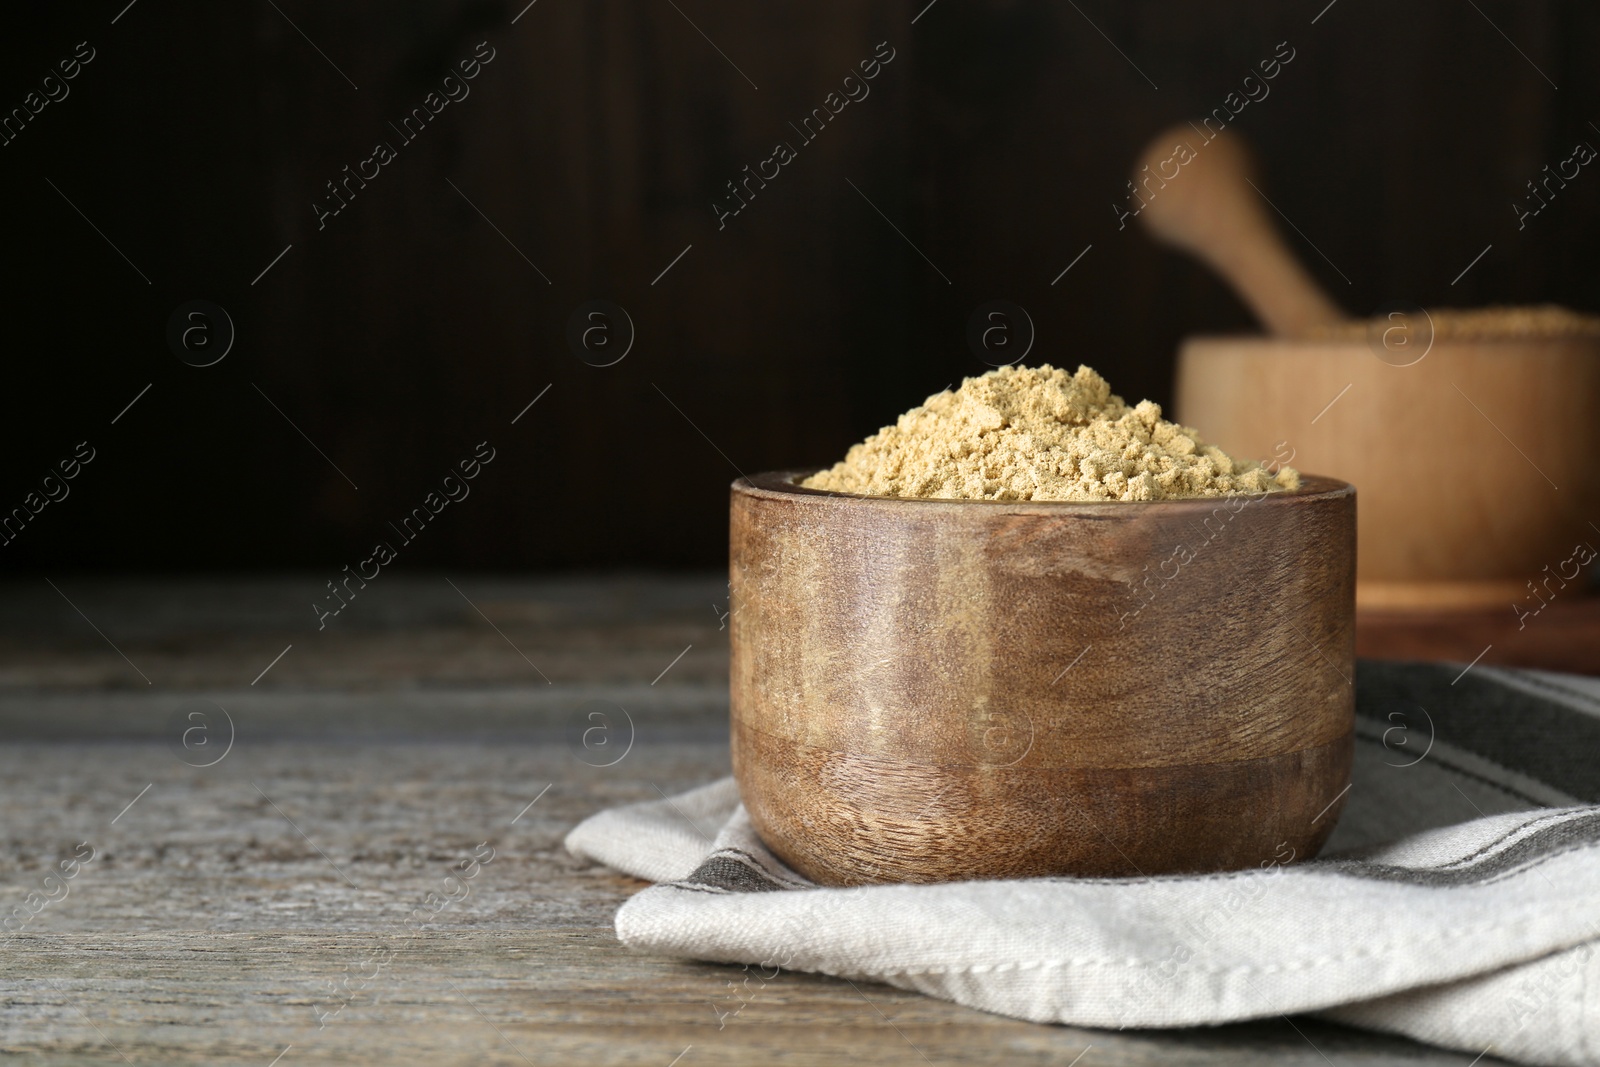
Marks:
<point>1086,688</point>
<point>208,928</point>
<point>408,329</point>
<point>1474,463</point>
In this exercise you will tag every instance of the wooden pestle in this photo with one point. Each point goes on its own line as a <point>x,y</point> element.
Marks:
<point>1208,208</point>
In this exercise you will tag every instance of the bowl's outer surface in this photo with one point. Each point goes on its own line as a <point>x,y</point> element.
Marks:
<point>936,690</point>
<point>1457,457</point>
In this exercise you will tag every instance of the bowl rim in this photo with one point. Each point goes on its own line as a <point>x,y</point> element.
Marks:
<point>1206,340</point>
<point>782,484</point>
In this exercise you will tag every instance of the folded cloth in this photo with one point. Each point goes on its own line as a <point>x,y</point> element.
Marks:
<point>1458,901</point>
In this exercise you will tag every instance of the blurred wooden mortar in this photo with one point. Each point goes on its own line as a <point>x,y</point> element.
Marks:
<point>1475,456</point>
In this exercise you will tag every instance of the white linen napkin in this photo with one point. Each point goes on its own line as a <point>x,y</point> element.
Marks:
<point>1458,902</point>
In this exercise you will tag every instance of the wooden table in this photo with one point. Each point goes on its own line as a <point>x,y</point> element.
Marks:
<point>265,905</point>
<point>1563,636</point>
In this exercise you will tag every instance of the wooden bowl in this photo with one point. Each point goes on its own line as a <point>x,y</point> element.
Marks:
<point>935,690</point>
<point>1458,456</point>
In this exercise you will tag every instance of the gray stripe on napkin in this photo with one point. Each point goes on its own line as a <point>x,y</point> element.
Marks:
<point>1474,712</point>
<point>1579,692</point>
<point>733,871</point>
<point>1420,749</point>
<point>1487,865</point>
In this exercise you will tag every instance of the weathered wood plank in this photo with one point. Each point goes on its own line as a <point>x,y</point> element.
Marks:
<point>208,928</point>
<point>225,902</point>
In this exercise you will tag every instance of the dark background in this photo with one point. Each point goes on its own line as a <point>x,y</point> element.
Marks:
<point>408,329</point>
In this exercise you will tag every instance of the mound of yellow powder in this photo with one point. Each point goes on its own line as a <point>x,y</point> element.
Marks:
<point>1039,433</point>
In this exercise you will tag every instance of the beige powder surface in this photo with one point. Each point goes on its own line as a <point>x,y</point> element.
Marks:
<point>1040,433</point>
